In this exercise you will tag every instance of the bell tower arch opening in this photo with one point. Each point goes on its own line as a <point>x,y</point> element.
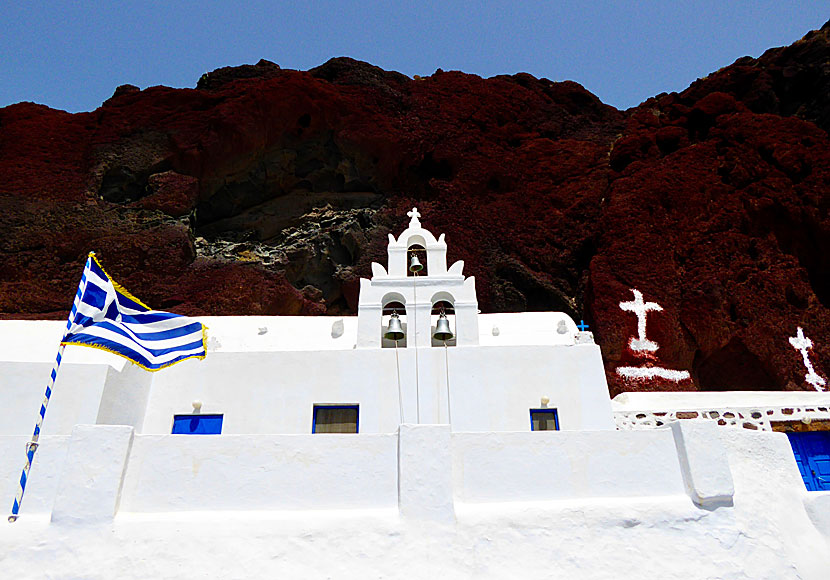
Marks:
<point>394,307</point>
<point>417,263</point>
<point>442,320</point>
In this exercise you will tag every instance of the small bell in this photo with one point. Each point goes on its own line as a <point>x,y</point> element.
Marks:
<point>442,329</point>
<point>415,264</point>
<point>394,331</point>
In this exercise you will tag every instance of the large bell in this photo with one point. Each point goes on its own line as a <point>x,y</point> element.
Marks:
<point>415,264</point>
<point>394,331</point>
<point>442,329</point>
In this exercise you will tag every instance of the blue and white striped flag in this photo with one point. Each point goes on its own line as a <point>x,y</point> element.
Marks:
<point>107,317</point>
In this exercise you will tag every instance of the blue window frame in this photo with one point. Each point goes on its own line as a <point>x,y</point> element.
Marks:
<point>335,419</point>
<point>812,454</point>
<point>544,420</point>
<point>197,424</point>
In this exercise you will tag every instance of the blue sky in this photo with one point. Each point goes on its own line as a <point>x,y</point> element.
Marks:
<point>72,55</point>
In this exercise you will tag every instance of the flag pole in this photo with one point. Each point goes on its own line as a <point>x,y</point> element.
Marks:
<point>31,446</point>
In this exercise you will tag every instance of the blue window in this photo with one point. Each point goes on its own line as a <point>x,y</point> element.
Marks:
<point>812,454</point>
<point>544,420</point>
<point>335,419</point>
<point>197,424</point>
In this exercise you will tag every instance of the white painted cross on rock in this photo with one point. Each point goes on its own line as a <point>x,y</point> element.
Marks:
<point>803,344</point>
<point>644,346</point>
<point>641,309</point>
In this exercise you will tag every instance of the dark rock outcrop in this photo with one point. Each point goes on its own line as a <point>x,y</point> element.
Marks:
<point>270,191</point>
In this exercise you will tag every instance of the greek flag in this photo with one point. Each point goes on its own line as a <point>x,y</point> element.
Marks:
<point>107,317</point>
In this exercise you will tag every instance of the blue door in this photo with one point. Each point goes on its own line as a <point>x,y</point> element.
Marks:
<point>812,454</point>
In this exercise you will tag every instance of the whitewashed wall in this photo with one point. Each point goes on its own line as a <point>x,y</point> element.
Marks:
<point>171,473</point>
<point>264,374</point>
<point>27,353</point>
<point>45,474</point>
<point>181,473</point>
<point>75,398</point>
<point>608,520</point>
<point>275,392</point>
<point>271,472</point>
<point>491,388</point>
<point>501,467</point>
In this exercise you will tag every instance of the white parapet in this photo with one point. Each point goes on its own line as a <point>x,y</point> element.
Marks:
<point>256,473</point>
<point>755,410</point>
<point>818,508</point>
<point>425,472</point>
<point>563,465</point>
<point>421,503</point>
<point>90,487</point>
<point>703,462</point>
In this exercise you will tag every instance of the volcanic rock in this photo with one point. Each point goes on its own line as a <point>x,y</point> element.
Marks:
<point>270,191</point>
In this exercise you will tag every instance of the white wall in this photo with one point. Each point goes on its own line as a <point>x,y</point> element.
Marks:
<point>27,353</point>
<point>491,388</point>
<point>275,392</point>
<point>269,472</point>
<point>500,467</point>
<point>279,333</point>
<point>266,373</point>
<point>124,397</point>
<point>177,473</point>
<point>568,506</point>
<point>75,396</point>
<point>772,499</point>
<point>44,475</point>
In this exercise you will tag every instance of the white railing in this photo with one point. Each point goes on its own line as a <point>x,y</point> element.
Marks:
<point>634,411</point>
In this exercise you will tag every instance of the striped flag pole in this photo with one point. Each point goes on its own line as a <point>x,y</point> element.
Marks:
<point>31,446</point>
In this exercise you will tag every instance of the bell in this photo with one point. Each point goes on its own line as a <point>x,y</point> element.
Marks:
<point>394,331</point>
<point>415,264</point>
<point>442,329</point>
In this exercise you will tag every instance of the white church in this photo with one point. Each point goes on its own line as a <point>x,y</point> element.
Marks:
<point>420,438</point>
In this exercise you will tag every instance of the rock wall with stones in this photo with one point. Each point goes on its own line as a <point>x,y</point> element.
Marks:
<point>270,191</point>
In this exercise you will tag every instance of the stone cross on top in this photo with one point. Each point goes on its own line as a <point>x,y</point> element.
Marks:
<point>414,222</point>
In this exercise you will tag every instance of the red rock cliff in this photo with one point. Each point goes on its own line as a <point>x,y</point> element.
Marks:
<point>270,191</point>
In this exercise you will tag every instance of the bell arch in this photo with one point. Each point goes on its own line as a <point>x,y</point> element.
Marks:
<point>420,252</point>
<point>393,302</point>
<point>416,240</point>
<point>443,302</point>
